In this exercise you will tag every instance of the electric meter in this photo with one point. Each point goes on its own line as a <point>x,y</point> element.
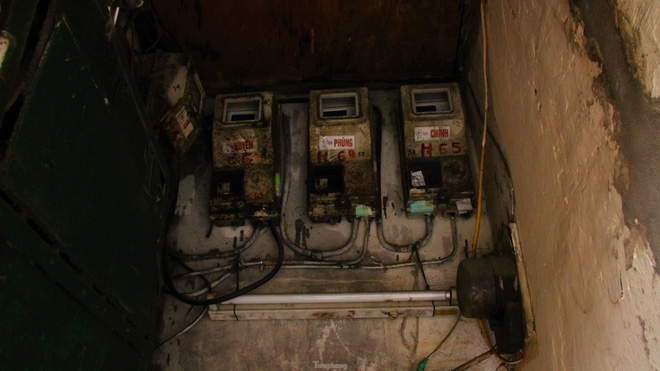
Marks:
<point>435,166</point>
<point>245,159</point>
<point>342,169</point>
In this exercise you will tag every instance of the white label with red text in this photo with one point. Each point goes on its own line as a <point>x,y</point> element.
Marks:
<point>429,133</point>
<point>248,145</point>
<point>185,124</point>
<point>337,142</point>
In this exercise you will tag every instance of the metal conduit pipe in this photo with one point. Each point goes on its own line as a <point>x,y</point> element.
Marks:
<point>354,297</point>
<point>365,245</point>
<point>286,185</point>
<point>204,271</point>
<point>348,246</point>
<point>316,253</point>
<point>354,264</point>
<point>213,254</point>
<point>204,290</point>
<point>454,238</point>
<point>406,248</point>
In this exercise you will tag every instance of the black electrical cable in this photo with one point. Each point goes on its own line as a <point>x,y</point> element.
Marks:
<point>161,28</point>
<point>500,152</point>
<point>238,281</point>
<point>421,366</point>
<point>189,269</point>
<point>421,267</point>
<point>475,361</point>
<point>482,357</point>
<point>238,271</point>
<point>174,292</point>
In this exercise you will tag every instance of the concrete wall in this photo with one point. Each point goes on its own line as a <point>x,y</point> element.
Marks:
<point>558,112</point>
<point>638,22</point>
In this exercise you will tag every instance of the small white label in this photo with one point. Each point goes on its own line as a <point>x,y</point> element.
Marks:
<point>417,178</point>
<point>337,142</point>
<point>177,86</point>
<point>429,133</point>
<point>185,124</point>
<point>240,146</point>
<point>464,205</point>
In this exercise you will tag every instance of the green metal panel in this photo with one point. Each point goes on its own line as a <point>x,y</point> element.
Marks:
<point>83,194</point>
<point>46,329</point>
<point>105,56</point>
<point>20,232</point>
<point>70,163</point>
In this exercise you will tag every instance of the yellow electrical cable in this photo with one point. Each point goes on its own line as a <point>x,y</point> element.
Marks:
<point>477,224</point>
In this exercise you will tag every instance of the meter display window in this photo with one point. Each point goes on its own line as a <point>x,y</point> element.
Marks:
<point>339,105</point>
<point>431,101</point>
<point>242,110</point>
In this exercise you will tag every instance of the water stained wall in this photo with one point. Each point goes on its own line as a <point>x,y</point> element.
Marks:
<point>574,112</point>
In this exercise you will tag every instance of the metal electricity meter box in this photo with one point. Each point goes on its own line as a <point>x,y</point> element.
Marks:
<point>245,178</point>
<point>175,98</point>
<point>434,160</point>
<point>342,180</point>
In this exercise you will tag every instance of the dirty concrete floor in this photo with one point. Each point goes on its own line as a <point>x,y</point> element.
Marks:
<point>353,344</point>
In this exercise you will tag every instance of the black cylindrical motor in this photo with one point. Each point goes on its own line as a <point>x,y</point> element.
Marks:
<point>488,288</point>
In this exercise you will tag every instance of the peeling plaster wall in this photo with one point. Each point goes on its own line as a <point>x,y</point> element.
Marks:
<point>592,279</point>
<point>638,21</point>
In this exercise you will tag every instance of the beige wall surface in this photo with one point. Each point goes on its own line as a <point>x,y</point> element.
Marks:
<point>591,272</point>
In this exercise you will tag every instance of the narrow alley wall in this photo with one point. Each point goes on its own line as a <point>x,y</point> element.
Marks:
<point>558,111</point>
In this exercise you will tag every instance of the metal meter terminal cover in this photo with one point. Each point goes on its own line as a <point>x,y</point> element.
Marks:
<point>342,179</point>
<point>434,160</point>
<point>245,159</point>
<point>175,98</point>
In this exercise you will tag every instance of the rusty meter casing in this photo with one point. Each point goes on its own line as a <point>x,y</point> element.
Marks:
<point>342,179</point>
<point>175,99</point>
<point>245,159</point>
<point>434,162</point>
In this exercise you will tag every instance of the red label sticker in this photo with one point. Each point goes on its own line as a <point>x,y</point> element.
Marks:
<point>240,146</point>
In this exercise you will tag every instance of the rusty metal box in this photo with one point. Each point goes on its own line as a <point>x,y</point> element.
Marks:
<point>175,98</point>
<point>342,180</point>
<point>435,166</point>
<point>245,159</point>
